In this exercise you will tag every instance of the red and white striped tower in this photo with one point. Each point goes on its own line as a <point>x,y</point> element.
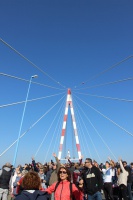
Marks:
<point>69,104</point>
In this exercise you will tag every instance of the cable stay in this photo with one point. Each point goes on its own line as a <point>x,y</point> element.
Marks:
<point>97,132</point>
<point>72,139</point>
<point>54,148</point>
<point>64,151</point>
<point>22,79</point>
<point>80,113</point>
<point>22,56</point>
<point>88,148</point>
<point>56,142</point>
<point>112,98</point>
<point>83,146</point>
<point>103,84</point>
<point>54,132</point>
<point>106,117</point>
<point>79,128</point>
<point>72,130</point>
<point>31,126</point>
<point>108,69</point>
<point>90,138</point>
<point>30,100</point>
<point>46,133</point>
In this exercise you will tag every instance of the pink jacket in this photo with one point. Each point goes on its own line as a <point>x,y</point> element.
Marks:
<point>63,191</point>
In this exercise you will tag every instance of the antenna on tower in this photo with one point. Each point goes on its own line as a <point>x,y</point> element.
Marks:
<point>68,154</point>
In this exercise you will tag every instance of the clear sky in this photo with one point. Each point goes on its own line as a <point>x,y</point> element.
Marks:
<point>83,45</point>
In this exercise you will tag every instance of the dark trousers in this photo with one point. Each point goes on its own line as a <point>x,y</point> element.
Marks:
<point>108,192</point>
<point>129,193</point>
<point>123,192</point>
<point>132,186</point>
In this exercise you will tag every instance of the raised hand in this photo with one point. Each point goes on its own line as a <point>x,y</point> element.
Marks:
<point>54,154</point>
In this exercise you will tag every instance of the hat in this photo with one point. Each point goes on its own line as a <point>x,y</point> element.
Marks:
<point>8,164</point>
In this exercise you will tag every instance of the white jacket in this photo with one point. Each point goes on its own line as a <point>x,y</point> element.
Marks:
<point>122,178</point>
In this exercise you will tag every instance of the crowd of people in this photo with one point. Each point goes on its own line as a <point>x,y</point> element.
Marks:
<point>70,181</point>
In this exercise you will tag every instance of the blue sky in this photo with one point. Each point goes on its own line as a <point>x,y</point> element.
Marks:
<point>72,42</point>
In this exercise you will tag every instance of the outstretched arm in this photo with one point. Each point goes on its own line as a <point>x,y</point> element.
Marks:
<point>80,160</point>
<point>51,188</point>
<point>57,161</point>
<point>121,165</point>
<point>111,162</point>
<point>69,160</point>
<point>34,165</point>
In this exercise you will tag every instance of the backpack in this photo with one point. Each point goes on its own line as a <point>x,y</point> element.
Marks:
<point>76,176</point>
<point>70,186</point>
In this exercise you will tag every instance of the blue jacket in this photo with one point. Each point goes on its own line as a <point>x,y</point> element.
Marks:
<point>36,195</point>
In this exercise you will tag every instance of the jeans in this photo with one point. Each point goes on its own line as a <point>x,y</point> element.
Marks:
<point>129,193</point>
<point>3,194</point>
<point>96,196</point>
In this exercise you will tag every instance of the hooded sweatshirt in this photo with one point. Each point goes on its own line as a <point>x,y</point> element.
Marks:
<point>32,195</point>
<point>5,175</point>
<point>92,180</point>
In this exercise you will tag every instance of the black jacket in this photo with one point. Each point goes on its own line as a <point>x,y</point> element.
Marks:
<point>129,178</point>
<point>36,195</point>
<point>92,180</point>
<point>5,178</point>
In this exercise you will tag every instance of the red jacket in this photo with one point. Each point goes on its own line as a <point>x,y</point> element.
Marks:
<point>63,191</point>
<point>19,186</point>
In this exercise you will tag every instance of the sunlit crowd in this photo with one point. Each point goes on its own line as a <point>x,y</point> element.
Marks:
<point>67,181</point>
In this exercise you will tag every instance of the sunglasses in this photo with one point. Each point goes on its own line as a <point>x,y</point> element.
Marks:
<point>62,172</point>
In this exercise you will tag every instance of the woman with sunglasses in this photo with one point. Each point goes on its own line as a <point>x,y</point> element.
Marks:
<point>63,189</point>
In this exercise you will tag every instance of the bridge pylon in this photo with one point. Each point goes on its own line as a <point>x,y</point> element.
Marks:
<point>69,104</point>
